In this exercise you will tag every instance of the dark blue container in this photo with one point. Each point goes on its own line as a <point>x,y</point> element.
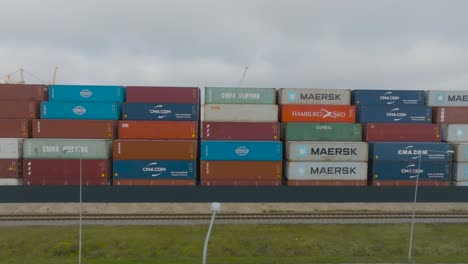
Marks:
<point>87,93</point>
<point>408,170</point>
<point>394,114</point>
<point>387,97</point>
<point>410,151</point>
<point>167,112</point>
<point>242,150</point>
<point>155,169</point>
<point>81,110</point>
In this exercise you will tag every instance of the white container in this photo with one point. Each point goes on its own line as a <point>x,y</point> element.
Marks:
<point>460,171</point>
<point>326,151</point>
<point>461,183</point>
<point>314,96</point>
<point>461,152</point>
<point>11,148</point>
<point>326,170</point>
<point>240,113</point>
<point>7,181</point>
<point>454,132</point>
<point>447,98</point>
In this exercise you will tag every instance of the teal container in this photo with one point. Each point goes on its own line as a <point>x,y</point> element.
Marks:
<point>231,95</point>
<point>87,93</point>
<point>298,131</point>
<point>67,149</point>
<point>81,110</point>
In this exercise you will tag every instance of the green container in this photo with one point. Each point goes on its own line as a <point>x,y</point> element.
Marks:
<point>67,149</point>
<point>230,95</point>
<point>296,131</point>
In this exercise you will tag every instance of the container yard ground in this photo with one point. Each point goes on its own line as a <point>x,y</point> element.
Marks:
<point>192,208</point>
<point>235,244</point>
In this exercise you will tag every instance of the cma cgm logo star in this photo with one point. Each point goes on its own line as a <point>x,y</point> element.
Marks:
<point>242,151</point>
<point>79,110</point>
<point>301,151</point>
<point>292,97</point>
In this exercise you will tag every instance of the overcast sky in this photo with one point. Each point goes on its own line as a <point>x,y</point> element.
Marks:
<point>310,44</point>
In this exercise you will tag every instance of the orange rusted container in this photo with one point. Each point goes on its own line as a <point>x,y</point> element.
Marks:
<point>155,149</point>
<point>326,183</point>
<point>153,182</point>
<point>158,130</point>
<point>239,183</point>
<point>318,113</point>
<point>19,109</point>
<point>241,170</point>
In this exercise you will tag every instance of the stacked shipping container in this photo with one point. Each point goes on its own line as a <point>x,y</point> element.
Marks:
<point>322,147</point>
<point>158,137</point>
<point>240,134</point>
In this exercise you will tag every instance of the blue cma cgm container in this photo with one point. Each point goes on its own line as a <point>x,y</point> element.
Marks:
<point>408,170</point>
<point>401,151</point>
<point>394,114</point>
<point>387,97</point>
<point>167,112</point>
<point>81,110</point>
<point>242,150</point>
<point>87,93</point>
<point>155,169</point>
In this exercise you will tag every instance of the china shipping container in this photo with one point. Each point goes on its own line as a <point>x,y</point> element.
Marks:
<point>402,132</point>
<point>387,97</point>
<point>460,171</point>
<point>241,170</point>
<point>326,183</point>
<point>164,112</point>
<point>303,170</point>
<point>297,131</point>
<point>455,133</point>
<point>15,128</point>
<point>240,112</point>
<point>314,96</point>
<point>233,95</point>
<point>240,131</point>
<point>447,98</point>
<point>66,172</point>
<point>10,182</point>
<point>401,183</point>
<point>139,182</point>
<point>10,168</point>
<point>19,109</point>
<point>79,129</point>
<point>318,113</point>
<point>239,183</point>
<point>155,149</point>
<point>158,130</point>
<point>155,169</point>
<point>11,148</point>
<point>394,114</point>
<point>409,170</point>
<point>81,110</point>
<point>326,151</point>
<point>163,94</point>
<point>450,115</point>
<point>461,152</point>
<point>242,150</point>
<point>410,151</point>
<point>91,149</point>
<point>88,93</point>
<point>23,92</point>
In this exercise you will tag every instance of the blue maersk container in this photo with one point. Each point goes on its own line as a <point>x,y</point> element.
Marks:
<point>155,169</point>
<point>394,114</point>
<point>410,151</point>
<point>387,97</point>
<point>242,150</point>
<point>88,93</point>
<point>167,112</point>
<point>408,170</point>
<point>81,110</point>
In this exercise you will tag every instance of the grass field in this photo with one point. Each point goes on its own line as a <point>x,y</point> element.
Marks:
<point>234,244</point>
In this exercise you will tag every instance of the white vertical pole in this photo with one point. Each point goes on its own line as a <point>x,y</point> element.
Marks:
<point>215,207</point>
<point>81,210</point>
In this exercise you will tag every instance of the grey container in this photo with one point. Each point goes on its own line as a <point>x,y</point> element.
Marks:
<point>461,152</point>
<point>447,98</point>
<point>460,171</point>
<point>464,184</point>
<point>11,148</point>
<point>454,132</point>
<point>234,95</point>
<point>10,182</point>
<point>314,96</point>
<point>326,151</point>
<point>67,149</point>
<point>240,112</point>
<point>326,170</point>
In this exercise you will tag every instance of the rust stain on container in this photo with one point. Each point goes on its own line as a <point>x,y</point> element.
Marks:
<point>240,131</point>
<point>23,92</point>
<point>19,109</point>
<point>15,128</point>
<point>158,130</point>
<point>153,182</point>
<point>241,170</point>
<point>326,183</point>
<point>155,149</point>
<point>450,115</point>
<point>10,168</point>
<point>162,94</point>
<point>79,129</point>
<point>239,183</point>
<point>410,183</point>
<point>402,132</point>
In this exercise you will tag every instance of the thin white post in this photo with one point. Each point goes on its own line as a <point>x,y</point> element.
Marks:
<point>215,207</point>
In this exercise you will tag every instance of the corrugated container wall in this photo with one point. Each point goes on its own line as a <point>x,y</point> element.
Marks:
<point>10,182</point>
<point>15,128</point>
<point>240,113</point>
<point>11,148</point>
<point>461,152</point>
<point>241,170</point>
<point>67,149</point>
<point>10,168</point>
<point>158,130</point>
<point>139,182</point>
<point>83,129</point>
<point>160,112</point>
<point>387,97</point>
<point>460,171</point>
<point>23,92</point>
<point>163,94</point>
<point>402,132</point>
<point>394,114</point>
<point>318,113</point>
<point>240,131</point>
<point>326,170</point>
<point>155,149</point>
<point>155,169</point>
<point>326,151</point>
<point>81,110</point>
<point>242,150</point>
<point>409,170</point>
<point>232,95</point>
<point>239,183</point>
<point>410,151</point>
<point>455,133</point>
<point>322,132</point>
<point>314,96</point>
<point>447,98</point>
<point>450,115</point>
<point>19,109</point>
<point>88,93</point>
